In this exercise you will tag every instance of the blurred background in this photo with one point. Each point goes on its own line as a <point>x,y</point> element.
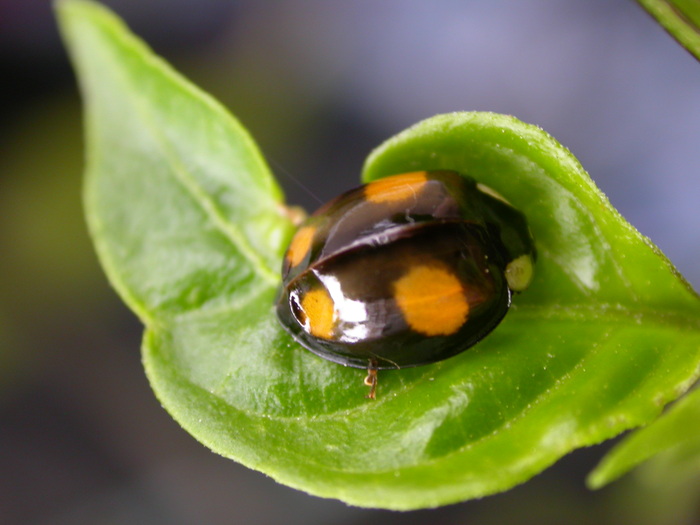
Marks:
<point>319,83</point>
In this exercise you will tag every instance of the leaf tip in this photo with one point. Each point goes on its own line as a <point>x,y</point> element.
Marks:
<point>72,11</point>
<point>598,478</point>
<point>70,7</point>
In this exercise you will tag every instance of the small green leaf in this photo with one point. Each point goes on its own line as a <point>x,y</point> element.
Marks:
<point>185,218</point>
<point>676,434</point>
<point>681,18</point>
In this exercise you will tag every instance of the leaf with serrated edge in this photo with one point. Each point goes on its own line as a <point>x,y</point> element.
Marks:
<point>677,433</point>
<point>185,218</point>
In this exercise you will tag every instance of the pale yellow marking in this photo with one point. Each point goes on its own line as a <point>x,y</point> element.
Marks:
<point>519,273</point>
<point>490,191</point>
<point>320,313</point>
<point>396,188</point>
<point>300,245</point>
<point>432,300</point>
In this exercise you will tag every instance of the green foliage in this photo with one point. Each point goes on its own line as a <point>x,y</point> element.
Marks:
<point>186,220</point>
<point>676,434</point>
<point>681,18</point>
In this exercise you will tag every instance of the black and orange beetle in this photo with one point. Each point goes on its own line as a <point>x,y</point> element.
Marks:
<point>404,271</point>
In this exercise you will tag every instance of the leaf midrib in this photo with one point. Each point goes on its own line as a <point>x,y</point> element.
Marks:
<point>177,167</point>
<point>581,313</point>
<point>586,313</point>
<point>559,385</point>
<point>344,469</point>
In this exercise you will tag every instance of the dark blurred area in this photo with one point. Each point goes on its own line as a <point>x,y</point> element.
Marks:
<point>319,84</point>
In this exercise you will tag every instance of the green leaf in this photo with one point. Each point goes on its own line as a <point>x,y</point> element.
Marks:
<point>676,434</point>
<point>181,206</point>
<point>185,218</point>
<point>681,18</point>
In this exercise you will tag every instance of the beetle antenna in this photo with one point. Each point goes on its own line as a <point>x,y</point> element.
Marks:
<point>296,181</point>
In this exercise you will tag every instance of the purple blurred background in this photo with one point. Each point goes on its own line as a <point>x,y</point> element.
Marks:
<point>319,84</point>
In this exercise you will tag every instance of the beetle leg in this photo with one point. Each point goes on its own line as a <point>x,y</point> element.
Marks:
<point>371,379</point>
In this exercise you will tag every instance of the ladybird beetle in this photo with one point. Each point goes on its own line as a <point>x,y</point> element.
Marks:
<point>404,271</point>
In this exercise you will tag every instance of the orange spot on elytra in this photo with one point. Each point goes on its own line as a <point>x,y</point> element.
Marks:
<point>320,313</point>
<point>300,245</point>
<point>396,188</point>
<point>432,300</point>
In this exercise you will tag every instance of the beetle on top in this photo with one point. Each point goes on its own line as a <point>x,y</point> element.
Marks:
<point>404,271</point>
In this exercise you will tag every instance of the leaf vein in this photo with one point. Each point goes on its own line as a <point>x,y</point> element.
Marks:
<point>186,179</point>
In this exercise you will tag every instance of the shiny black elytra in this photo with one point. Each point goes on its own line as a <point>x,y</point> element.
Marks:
<point>404,271</point>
